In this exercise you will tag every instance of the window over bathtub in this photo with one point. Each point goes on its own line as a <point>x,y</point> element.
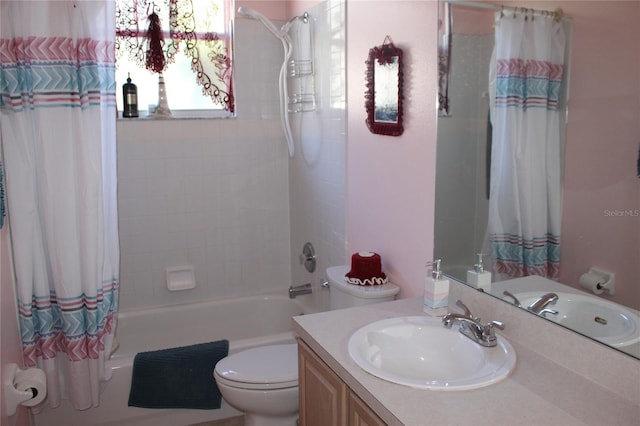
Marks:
<point>192,50</point>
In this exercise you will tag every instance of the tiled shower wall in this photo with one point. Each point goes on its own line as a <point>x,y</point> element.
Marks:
<point>209,193</point>
<point>317,172</point>
<point>223,196</point>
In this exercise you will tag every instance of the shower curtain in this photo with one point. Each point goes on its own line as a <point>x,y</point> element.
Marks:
<point>525,201</point>
<point>57,120</point>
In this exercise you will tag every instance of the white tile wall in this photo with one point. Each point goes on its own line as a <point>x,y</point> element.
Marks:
<point>209,193</point>
<point>223,196</point>
<point>317,172</point>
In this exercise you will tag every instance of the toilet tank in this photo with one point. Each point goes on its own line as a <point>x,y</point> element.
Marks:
<point>345,295</point>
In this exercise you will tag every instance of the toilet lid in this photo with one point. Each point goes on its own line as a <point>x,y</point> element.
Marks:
<point>273,367</point>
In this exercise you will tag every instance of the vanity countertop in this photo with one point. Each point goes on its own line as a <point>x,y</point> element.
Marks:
<point>537,392</point>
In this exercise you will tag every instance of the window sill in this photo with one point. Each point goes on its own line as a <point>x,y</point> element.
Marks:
<point>179,115</point>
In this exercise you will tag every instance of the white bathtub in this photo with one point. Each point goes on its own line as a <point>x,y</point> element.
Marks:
<point>245,322</point>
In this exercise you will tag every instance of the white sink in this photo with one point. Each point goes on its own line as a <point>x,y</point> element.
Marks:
<point>592,316</point>
<point>420,352</point>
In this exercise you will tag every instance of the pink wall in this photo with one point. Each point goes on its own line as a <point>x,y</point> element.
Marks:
<point>391,180</point>
<point>297,7</point>
<point>601,224</point>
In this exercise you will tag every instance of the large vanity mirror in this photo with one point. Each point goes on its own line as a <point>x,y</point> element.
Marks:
<point>553,202</point>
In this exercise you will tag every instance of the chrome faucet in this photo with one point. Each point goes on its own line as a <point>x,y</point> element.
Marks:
<point>472,327</point>
<point>540,306</point>
<point>299,290</point>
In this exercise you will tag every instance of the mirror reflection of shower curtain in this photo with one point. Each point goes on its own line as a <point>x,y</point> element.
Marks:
<point>526,190</point>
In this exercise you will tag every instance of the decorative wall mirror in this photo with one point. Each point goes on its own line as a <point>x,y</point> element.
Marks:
<point>383,99</point>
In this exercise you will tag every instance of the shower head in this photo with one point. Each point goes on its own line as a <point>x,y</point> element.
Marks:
<point>253,14</point>
<point>283,35</point>
<point>249,13</point>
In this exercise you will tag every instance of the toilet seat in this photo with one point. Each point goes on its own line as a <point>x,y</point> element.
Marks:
<point>264,367</point>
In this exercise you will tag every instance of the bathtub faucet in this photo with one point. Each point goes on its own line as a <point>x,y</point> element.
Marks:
<point>299,290</point>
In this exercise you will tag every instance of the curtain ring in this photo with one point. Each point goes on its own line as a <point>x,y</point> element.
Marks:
<point>502,12</point>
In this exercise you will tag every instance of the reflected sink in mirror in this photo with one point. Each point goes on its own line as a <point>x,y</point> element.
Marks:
<point>419,352</point>
<point>592,316</point>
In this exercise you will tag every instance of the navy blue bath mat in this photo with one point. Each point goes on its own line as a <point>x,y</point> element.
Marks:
<point>177,377</point>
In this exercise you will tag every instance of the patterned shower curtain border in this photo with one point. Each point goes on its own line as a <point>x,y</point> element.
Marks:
<point>56,72</point>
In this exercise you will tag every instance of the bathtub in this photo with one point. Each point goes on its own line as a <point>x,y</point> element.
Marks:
<point>246,322</point>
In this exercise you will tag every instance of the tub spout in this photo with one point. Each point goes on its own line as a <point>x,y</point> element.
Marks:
<point>299,290</point>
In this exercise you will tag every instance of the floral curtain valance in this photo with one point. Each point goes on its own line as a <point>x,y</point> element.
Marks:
<point>202,29</point>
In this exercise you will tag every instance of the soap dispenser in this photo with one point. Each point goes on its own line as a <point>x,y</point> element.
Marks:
<point>436,291</point>
<point>478,277</point>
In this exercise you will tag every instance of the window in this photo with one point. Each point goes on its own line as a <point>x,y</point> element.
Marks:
<point>196,44</point>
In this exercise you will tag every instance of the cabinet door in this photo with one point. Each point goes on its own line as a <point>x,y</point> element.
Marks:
<point>323,395</point>
<point>360,414</point>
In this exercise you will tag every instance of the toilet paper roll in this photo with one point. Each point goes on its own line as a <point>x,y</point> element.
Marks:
<point>34,380</point>
<point>592,282</point>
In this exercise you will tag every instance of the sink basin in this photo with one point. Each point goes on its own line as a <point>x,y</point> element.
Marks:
<point>420,352</point>
<point>592,316</point>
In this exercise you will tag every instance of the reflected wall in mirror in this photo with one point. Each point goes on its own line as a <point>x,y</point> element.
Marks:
<point>383,99</point>
<point>600,190</point>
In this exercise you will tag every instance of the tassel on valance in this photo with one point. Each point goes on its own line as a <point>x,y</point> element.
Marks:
<point>156,61</point>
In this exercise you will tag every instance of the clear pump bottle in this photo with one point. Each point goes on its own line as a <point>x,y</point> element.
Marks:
<point>478,277</point>
<point>436,291</point>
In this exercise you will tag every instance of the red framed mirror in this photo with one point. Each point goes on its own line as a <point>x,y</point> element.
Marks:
<point>383,99</point>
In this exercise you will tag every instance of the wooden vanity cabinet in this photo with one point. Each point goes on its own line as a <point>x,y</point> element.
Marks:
<point>325,400</point>
<point>360,414</point>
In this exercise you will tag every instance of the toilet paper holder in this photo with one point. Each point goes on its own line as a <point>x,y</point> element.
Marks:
<point>12,395</point>
<point>605,280</point>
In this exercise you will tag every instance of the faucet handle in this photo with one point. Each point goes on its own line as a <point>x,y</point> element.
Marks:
<point>488,331</point>
<point>515,299</point>
<point>497,324</point>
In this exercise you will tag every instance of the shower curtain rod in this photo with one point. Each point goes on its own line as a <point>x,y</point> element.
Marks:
<point>558,13</point>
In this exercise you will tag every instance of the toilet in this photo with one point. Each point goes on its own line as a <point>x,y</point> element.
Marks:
<point>345,295</point>
<point>263,381</point>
